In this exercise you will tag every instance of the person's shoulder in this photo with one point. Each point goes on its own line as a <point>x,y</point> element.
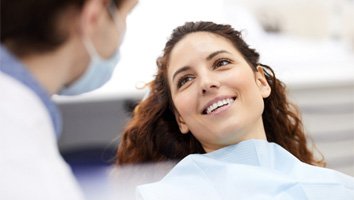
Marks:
<point>17,103</point>
<point>292,165</point>
<point>324,175</point>
<point>187,180</point>
<point>14,93</point>
<point>10,87</point>
<point>188,168</point>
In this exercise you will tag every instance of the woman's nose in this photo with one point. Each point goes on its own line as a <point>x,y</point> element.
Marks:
<point>209,84</point>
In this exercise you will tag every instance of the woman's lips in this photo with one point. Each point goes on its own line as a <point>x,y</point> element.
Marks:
<point>217,105</point>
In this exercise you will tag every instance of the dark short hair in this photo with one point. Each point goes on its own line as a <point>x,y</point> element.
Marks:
<point>29,26</point>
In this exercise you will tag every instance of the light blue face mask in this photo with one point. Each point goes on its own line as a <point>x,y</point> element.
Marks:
<point>97,73</point>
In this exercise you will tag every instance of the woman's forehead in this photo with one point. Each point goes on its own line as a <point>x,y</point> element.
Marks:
<point>202,39</point>
<point>199,44</point>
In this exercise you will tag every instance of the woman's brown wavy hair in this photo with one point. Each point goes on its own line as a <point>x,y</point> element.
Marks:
<point>153,133</point>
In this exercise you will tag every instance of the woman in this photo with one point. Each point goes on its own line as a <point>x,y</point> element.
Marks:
<point>213,99</point>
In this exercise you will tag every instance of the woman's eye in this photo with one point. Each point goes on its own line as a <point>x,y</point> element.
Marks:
<point>183,81</point>
<point>221,62</point>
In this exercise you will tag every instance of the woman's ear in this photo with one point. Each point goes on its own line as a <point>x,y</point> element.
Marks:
<point>181,124</point>
<point>262,82</point>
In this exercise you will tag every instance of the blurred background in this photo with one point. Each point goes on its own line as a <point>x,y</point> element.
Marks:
<point>308,43</point>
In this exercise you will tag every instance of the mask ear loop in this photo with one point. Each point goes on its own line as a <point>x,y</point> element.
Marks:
<point>90,48</point>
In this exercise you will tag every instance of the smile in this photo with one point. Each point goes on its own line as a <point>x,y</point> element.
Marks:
<point>217,105</point>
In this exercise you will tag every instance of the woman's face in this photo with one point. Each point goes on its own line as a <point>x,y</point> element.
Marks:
<point>217,96</point>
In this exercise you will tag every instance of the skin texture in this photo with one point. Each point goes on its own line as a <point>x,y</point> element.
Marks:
<point>212,69</point>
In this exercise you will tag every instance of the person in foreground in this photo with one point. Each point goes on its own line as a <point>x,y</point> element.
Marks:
<point>65,47</point>
<point>226,118</point>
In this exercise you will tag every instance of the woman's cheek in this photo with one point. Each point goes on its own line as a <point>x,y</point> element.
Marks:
<point>185,102</point>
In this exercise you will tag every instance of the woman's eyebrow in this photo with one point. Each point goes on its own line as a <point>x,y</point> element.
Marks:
<point>210,56</point>
<point>185,68</point>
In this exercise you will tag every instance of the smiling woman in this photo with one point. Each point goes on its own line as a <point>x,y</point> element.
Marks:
<point>225,95</point>
<point>226,118</point>
<point>203,62</point>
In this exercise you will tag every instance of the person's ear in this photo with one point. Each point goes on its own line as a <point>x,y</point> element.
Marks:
<point>90,15</point>
<point>181,124</point>
<point>262,82</point>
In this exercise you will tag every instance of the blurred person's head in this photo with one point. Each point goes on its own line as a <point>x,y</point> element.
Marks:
<point>81,31</point>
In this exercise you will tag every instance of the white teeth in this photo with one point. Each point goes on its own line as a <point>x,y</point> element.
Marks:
<point>220,103</point>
